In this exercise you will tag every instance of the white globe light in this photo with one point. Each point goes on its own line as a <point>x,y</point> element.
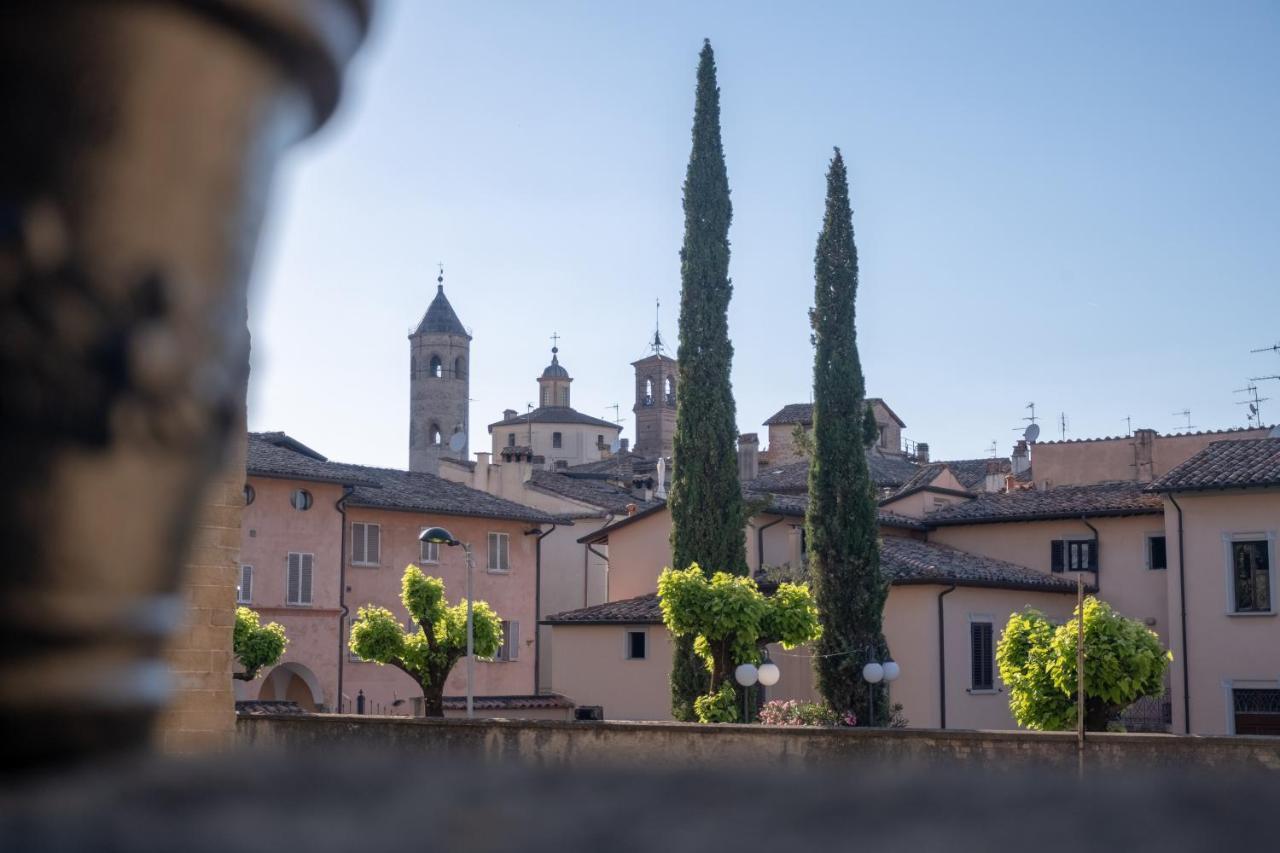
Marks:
<point>891,670</point>
<point>769,673</point>
<point>746,674</point>
<point>873,672</point>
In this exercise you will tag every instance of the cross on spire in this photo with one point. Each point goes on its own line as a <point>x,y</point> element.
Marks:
<point>440,277</point>
<point>555,342</point>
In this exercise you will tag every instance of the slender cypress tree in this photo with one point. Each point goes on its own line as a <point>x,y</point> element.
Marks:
<point>707,515</point>
<point>844,548</point>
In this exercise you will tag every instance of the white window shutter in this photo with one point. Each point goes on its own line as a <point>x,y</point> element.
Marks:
<point>373,544</point>
<point>293,579</point>
<point>357,543</point>
<point>515,641</point>
<point>305,585</point>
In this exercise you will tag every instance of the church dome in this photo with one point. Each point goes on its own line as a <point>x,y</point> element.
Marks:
<point>555,370</point>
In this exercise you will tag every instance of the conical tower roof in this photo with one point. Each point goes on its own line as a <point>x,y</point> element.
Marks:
<point>440,318</point>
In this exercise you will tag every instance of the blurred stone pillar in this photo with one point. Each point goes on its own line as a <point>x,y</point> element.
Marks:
<point>139,145</point>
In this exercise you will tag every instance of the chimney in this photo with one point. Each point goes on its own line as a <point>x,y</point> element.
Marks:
<point>508,414</point>
<point>1021,457</point>
<point>1144,442</point>
<point>995,478</point>
<point>922,452</point>
<point>480,476</point>
<point>748,456</point>
<point>631,510</point>
<point>626,444</point>
<point>562,464</point>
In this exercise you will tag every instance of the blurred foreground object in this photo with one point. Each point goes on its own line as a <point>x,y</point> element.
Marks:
<point>140,140</point>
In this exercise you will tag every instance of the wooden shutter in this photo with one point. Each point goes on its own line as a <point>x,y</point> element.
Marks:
<point>373,543</point>
<point>293,579</point>
<point>1095,556</point>
<point>304,585</point>
<point>357,542</point>
<point>1057,555</point>
<point>491,557</point>
<point>505,545</point>
<point>981,666</point>
<point>246,585</point>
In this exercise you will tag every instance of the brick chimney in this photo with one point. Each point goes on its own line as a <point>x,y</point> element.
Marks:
<point>922,452</point>
<point>508,414</point>
<point>748,456</point>
<point>1144,442</point>
<point>1021,458</point>
<point>995,477</point>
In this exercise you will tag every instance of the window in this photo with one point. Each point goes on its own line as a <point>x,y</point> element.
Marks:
<point>1073,555</point>
<point>636,645</point>
<point>249,494</point>
<point>300,500</point>
<point>366,543</point>
<point>499,553</point>
<point>298,580</point>
<point>437,367</point>
<point>981,657</point>
<point>648,392</point>
<point>510,648</point>
<point>429,552</point>
<point>1250,576</point>
<point>1157,558</point>
<point>546,395</point>
<point>433,435</point>
<point>556,439</point>
<point>459,369</point>
<point>1256,710</point>
<point>244,590</point>
<point>669,391</point>
<point>511,439</point>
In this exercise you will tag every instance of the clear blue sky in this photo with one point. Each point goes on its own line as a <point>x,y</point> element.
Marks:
<point>1074,204</point>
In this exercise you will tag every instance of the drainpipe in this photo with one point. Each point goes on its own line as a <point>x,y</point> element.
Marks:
<point>942,659</point>
<point>343,611</point>
<point>760,543</point>
<point>1182,600</point>
<point>604,557</point>
<point>537,600</point>
<point>1097,551</point>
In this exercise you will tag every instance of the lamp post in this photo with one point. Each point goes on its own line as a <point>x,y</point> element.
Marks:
<point>440,536</point>
<point>873,673</point>
<point>748,674</point>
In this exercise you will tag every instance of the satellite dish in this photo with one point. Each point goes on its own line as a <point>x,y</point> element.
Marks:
<point>1031,433</point>
<point>615,446</point>
<point>457,441</point>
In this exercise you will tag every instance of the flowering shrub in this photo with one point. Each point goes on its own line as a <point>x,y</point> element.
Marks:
<point>791,712</point>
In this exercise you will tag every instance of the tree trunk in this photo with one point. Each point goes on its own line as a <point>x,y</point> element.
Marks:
<point>433,699</point>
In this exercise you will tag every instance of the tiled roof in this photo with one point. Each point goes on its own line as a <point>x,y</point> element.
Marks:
<point>553,415</point>
<point>417,491</point>
<point>972,472</point>
<point>912,562</point>
<point>589,490</point>
<point>440,318</point>
<point>1058,502</point>
<point>622,466</point>
<point>1226,465</point>
<point>796,506</point>
<point>508,703</point>
<point>271,454</point>
<point>642,610</point>
<point>1227,431</point>
<point>886,472</point>
<point>802,413</point>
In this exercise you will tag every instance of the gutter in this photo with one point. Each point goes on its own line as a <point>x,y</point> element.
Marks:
<point>537,600</point>
<point>604,557</point>
<point>1182,600</point>
<point>760,543</point>
<point>942,660</point>
<point>343,610</point>
<point>1097,552</point>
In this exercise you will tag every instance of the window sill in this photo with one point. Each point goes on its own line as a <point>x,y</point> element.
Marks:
<point>1251,613</point>
<point>365,565</point>
<point>973,692</point>
<point>295,606</point>
<point>498,571</point>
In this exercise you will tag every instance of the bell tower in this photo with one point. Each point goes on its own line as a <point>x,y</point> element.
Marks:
<point>439,386</point>
<point>655,406</point>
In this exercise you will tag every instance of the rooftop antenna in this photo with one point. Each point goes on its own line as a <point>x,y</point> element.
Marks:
<point>1254,402</point>
<point>994,449</point>
<point>1185,413</point>
<point>1262,378</point>
<point>1032,417</point>
<point>616,419</point>
<point>1032,431</point>
<point>1272,348</point>
<point>528,416</point>
<point>1062,424</point>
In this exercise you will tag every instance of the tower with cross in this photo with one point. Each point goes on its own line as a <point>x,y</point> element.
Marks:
<point>439,385</point>
<point>655,405</point>
<point>553,384</point>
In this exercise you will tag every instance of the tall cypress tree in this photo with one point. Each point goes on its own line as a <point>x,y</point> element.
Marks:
<point>707,515</point>
<point>844,548</point>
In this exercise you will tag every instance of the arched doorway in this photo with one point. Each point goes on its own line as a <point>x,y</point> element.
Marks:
<point>293,682</point>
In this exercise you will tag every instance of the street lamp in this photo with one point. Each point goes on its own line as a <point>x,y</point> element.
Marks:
<point>440,536</point>
<point>873,673</point>
<point>748,674</point>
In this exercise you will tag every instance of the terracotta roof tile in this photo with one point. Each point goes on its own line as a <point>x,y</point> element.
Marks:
<point>1225,465</point>
<point>590,490</point>
<point>912,562</point>
<point>641,610</point>
<point>886,472</point>
<point>554,415</point>
<point>1057,502</point>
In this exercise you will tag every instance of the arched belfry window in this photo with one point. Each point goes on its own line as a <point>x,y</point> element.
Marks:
<point>648,392</point>
<point>434,436</point>
<point>669,391</point>
<point>437,367</point>
<point>564,396</point>
<point>459,369</point>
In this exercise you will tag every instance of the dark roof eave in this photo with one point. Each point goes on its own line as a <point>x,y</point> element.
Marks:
<point>1048,516</point>
<point>600,622</point>
<point>942,490</point>
<point>531,519</point>
<point>307,478</point>
<point>1235,487</point>
<point>1017,586</point>
<point>603,533</point>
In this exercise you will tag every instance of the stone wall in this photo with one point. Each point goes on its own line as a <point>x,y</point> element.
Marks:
<point>201,717</point>
<point>682,745</point>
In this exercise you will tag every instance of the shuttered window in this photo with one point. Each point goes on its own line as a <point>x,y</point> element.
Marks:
<point>244,592</point>
<point>982,656</point>
<point>428,552</point>
<point>510,648</point>
<point>557,440</point>
<point>1073,555</point>
<point>499,553</point>
<point>366,543</point>
<point>298,580</point>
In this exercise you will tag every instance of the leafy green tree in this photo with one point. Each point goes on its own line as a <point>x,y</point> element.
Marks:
<point>802,441</point>
<point>729,622</point>
<point>707,514</point>
<point>843,534</point>
<point>256,645</point>
<point>1123,661</point>
<point>426,654</point>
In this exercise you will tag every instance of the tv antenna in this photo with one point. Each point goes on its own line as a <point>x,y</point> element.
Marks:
<point>993,449</point>
<point>1031,432</point>
<point>1253,401</point>
<point>616,419</point>
<point>1272,348</point>
<point>1128,425</point>
<point>1185,413</point>
<point>1062,424</point>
